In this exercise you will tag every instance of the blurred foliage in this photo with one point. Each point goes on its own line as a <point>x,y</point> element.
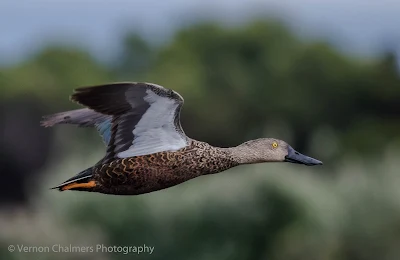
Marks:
<point>49,75</point>
<point>241,83</point>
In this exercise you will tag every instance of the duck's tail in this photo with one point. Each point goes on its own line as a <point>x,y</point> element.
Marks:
<point>83,181</point>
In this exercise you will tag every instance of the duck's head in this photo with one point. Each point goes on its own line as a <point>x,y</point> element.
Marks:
<point>272,150</point>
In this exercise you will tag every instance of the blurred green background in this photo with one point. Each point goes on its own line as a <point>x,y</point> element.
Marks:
<point>240,80</point>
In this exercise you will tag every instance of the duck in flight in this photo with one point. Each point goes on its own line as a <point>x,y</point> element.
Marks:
<point>147,149</point>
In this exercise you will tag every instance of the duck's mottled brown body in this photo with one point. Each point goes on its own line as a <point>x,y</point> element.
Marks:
<point>143,174</point>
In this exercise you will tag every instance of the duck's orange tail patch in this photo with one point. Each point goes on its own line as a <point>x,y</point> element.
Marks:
<point>75,185</point>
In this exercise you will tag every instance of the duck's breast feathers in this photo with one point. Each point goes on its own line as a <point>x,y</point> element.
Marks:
<point>145,117</point>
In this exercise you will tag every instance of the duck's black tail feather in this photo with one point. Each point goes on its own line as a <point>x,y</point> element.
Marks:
<point>82,181</point>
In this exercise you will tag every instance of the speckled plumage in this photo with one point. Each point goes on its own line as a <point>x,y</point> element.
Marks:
<point>143,174</point>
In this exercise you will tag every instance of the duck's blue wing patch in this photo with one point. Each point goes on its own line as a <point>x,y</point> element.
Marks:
<point>104,129</point>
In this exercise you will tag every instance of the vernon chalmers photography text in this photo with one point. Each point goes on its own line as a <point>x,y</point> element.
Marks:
<point>99,248</point>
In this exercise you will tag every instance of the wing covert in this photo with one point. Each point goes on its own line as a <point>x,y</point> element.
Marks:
<point>145,117</point>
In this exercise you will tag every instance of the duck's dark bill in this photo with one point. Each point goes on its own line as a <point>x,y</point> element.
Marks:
<point>296,157</point>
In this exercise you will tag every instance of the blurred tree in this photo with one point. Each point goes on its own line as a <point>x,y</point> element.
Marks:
<point>135,58</point>
<point>51,74</point>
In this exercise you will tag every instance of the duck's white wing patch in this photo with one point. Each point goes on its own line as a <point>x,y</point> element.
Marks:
<point>145,117</point>
<point>156,130</point>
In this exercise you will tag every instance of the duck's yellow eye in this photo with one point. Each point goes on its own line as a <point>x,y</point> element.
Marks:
<point>274,144</point>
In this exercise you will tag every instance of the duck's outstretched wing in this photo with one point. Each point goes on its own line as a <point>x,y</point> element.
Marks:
<point>84,117</point>
<point>145,117</point>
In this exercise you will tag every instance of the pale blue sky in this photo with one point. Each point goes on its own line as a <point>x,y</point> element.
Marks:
<point>358,26</point>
